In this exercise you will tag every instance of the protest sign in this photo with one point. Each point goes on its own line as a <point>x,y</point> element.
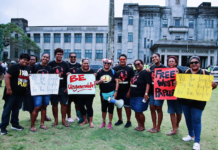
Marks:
<point>81,84</point>
<point>44,84</point>
<point>194,86</point>
<point>163,83</point>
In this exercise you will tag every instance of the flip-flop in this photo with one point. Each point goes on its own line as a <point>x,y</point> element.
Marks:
<point>140,129</point>
<point>54,124</point>
<point>43,128</point>
<point>65,124</point>
<point>171,133</point>
<point>150,129</point>
<point>136,128</point>
<point>47,118</point>
<point>154,130</point>
<point>32,130</point>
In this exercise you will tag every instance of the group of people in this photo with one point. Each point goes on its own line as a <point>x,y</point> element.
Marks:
<point>135,88</point>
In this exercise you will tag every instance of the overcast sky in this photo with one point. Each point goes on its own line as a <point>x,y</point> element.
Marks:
<point>71,12</point>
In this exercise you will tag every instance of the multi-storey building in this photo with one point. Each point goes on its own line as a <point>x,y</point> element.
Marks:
<point>174,29</point>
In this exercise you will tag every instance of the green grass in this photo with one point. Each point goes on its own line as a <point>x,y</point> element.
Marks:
<point>76,137</point>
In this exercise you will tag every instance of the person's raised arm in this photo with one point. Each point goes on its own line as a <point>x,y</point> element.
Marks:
<point>8,84</point>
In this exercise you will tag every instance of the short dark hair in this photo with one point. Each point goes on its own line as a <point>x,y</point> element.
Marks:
<point>59,50</point>
<point>139,60</point>
<point>25,55</point>
<point>195,57</point>
<point>34,56</point>
<point>72,53</point>
<point>47,54</point>
<point>157,54</point>
<point>85,59</point>
<point>123,55</point>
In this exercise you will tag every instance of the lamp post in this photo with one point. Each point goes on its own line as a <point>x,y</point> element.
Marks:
<point>110,51</point>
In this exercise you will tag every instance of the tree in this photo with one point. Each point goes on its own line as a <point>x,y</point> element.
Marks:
<point>22,42</point>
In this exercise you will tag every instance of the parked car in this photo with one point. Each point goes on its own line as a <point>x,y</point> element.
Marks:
<point>214,72</point>
<point>95,67</point>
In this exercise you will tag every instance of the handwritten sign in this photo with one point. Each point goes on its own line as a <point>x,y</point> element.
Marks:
<point>44,84</point>
<point>163,83</point>
<point>194,86</point>
<point>81,84</point>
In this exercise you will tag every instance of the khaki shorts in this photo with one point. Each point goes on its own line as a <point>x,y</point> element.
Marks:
<point>2,77</point>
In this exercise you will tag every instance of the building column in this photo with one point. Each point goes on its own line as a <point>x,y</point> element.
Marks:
<point>208,59</point>
<point>41,44</point>
<point>105,45</point>
<point>180,58</point>
<point>72,42</point>
<point>52,46</point>
<point>83,46</point>
<point>165,59</point>
<point>62,40</point>
<point>93,45</point>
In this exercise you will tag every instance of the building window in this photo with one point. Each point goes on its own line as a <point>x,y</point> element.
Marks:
<point>5,55</point>
<point>211,23</point>
<point>177,22</point>
<point>205,23</point>
<point>99,38</point>
<point>78,53</point>
<point>118,53</point>
<point>129,55</point>
<point>67,38</point>
<point>148,46</point>
<point>119,38</point>
<point>16,36</point>
<point>151,43</point>
<point>46,38</point>
<point>177,2</point>
<point>16,53</point>
<point>148,40</point>
<point>165,23</point>
<point>67,53</point>
<point>28,35</point>
<point>144,42</point>
<point>146,22</point>
<point>88,54</point>
<point>37,38</point>
<point>164,37</point>
<point>107,38</point>
<point>190,38</point>
<point>57,38</point>
<point>99,54</point>
<point>88,38</point>
<point>47,51</point>
<point>177,37</point>
<point>130,20</point>
<point>151,22</point>
<point>130,37</point>
<point>191,24</point>
<point>78,38</point>
<point>119,26</point>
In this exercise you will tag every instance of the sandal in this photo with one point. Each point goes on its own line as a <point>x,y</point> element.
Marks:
<point>150,129</point>
<point>54,124</point>
<point>47,118</point>
<point>65,124</point>
<point>140,129</point>
<point>33,130</point>
<point>136,128</point>
<point>154,130</point>
<point>171,133</point>
<point>43,127</point>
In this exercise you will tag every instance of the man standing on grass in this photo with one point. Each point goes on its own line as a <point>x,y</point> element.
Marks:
<point>124,74</point>
<point>73,67</point>
<point>16,81</point>
<point>62,68</point>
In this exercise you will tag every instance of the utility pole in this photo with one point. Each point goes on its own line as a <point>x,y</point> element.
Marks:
<point>1,45</point>
<point>110,51</point>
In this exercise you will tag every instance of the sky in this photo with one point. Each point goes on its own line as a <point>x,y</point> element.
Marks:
<point>71,12</point>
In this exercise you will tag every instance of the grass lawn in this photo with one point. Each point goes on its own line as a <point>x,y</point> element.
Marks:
<point>76,137</point>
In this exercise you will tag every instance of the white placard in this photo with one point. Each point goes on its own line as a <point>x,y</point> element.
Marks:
<point>81,84</point>
<point>44,84</point>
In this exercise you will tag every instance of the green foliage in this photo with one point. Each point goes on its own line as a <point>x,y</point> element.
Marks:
<point>20,43</point>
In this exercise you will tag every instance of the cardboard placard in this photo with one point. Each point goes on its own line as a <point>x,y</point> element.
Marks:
<point>163,83</point>
<point>81,84</point>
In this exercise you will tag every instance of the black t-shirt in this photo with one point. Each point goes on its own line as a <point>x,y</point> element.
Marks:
<point>152,77</point>
<point>62,68</point>
<point>124,74</point>
<point>80,71</point>
<point>19,79</point>
<point>109,84</point>
<point>74,67</point>
<point>40,69</point>
<point>194,103</point>
<point>139,82</point>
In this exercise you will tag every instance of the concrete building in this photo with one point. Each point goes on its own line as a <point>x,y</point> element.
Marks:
<point>174,29</point>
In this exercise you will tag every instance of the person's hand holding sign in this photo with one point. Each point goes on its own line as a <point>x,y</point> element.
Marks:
<point>214,85</point>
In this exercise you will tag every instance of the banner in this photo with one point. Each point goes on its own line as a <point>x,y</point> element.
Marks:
<point>194,86</point>
<point>44,84</point>
<point>81,84</point>
<point>163,83</point>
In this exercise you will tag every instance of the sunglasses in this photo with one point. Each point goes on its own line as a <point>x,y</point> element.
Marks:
<point>107,63</point>
<point>137,64</point>
<point>195,62</point>
<point>72,56</point>
<point>122,59</point>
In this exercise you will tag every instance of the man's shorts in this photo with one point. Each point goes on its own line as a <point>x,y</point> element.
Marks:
<point>72,98</point>
<point>123,96</point>
<point>174,107</point>
<point>62,97</point>
<point>155,102</point>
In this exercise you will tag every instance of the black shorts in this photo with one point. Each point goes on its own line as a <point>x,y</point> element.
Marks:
<point>123,96</point>
<point>72,98</point>
<point>62,97</point>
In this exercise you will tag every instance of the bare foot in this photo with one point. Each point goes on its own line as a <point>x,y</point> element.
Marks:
<point>91,125</point>
<point>84,122</point>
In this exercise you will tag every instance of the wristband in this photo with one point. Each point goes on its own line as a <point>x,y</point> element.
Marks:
<point>146,93</point>
<point>115,91</point>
